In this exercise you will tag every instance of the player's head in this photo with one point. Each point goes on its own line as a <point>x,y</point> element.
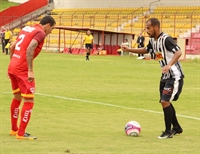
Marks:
<point>153,27</point>
<point>126,40</point>
<point>48,24</point>
<point>88,32</point>
<point>2,28</point>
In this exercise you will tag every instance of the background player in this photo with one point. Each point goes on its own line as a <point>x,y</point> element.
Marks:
<point>22,52</point>
<point>8,37</point>
<point>168,53</point>
<point>2,37</point>
<point>88,41</point>
<point>140,42</point>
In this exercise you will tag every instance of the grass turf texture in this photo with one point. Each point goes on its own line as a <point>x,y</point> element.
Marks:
<point>72,126</point>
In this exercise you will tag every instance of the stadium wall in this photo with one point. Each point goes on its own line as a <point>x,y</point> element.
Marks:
<point>119,4</point>
<point>124,3</point>
<point>17,12</point>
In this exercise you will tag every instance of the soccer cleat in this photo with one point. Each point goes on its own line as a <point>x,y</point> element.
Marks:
<point>177,130</point>
<point>13,133</point>
<point>165,135</point>
<point>26,137</point>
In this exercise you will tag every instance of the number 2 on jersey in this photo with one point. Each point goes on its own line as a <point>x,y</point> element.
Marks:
<point>21,37</point>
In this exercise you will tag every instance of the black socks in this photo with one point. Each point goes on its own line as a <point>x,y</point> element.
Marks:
<point>87,56</point>
<point>174,119</point>
<point>168,115</point>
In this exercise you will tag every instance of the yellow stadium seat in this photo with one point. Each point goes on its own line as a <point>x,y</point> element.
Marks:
<point>174,20</point>
<point>16,30</point>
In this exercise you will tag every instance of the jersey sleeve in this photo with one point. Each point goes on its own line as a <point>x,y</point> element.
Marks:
<point>149,47</point>
<point>171,45</point>
<point>39,36</point>
<point>10,33</point>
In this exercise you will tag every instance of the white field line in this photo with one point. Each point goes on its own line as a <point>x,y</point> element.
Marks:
<point>111,105</point>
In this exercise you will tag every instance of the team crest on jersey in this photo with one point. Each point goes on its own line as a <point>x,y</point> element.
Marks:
<point>32,90</point>
<point>159,56</point>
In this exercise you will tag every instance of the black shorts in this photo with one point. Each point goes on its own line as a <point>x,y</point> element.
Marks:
<point>170,89</point>
<point>88,46</point>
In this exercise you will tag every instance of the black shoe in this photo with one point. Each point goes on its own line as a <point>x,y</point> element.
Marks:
<point>165,135</point>
<point>177,130</point>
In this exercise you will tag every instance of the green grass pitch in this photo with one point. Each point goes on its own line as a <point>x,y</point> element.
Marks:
<point>81,107</point>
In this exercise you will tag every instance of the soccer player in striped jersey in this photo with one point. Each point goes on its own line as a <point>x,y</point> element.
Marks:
<point>171,82</point>
<point>27,46</point>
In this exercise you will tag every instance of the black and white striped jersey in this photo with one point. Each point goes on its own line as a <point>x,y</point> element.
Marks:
<point>164,48</point>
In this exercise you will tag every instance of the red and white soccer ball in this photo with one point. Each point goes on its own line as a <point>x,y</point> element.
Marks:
<point>132,128</point>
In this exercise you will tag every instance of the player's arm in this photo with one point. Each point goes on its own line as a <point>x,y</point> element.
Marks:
<point>10,39</point>
<point>139,50</point>
<point>172,47</point>
<point>83,42</point>
<point>12,48</point>
<point>29,57</point>
<point>175,58</point>
<point>138,40</point>
<point>92,41</point>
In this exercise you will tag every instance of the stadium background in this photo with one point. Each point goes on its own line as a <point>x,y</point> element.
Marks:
<point>111,22</point>
<point>84,112</point>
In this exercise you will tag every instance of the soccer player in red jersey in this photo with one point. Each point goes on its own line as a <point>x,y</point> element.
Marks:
<point>27,46</point>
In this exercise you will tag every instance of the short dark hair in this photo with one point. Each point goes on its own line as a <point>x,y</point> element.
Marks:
<point>47,20</point>
<point>154,22</point>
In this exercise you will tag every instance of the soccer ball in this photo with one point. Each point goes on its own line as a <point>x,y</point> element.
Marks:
<point>132,128</point>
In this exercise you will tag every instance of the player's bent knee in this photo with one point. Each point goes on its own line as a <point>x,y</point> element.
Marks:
<point>165,103</point>
<point>18,96</point>
<point>31,100</point>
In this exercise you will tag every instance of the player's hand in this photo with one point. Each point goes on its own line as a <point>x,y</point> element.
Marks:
<point>124,48</point>
<point>30,76</point>
<point>7,75</point>
<point>166,69</point>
